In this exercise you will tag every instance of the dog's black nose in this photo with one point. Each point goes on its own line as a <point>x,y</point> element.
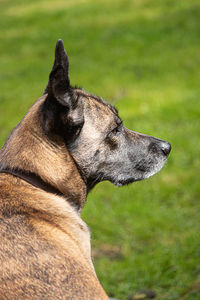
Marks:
<point>158,146</point>
<point>165,147</point>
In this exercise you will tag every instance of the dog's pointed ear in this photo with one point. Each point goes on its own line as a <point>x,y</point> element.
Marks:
<point>59,83</point>
<point>62,107</point>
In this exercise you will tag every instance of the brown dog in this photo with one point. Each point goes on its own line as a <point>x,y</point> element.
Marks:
<point>67,142</point>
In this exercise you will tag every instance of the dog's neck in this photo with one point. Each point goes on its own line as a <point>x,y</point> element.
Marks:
<point>29,149</point>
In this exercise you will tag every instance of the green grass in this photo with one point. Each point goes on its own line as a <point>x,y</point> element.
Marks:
<point>144,56</point>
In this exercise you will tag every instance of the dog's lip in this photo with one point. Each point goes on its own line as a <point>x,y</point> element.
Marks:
<point>127,181</point>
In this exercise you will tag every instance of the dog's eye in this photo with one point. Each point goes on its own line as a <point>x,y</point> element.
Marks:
<point>115,130</point>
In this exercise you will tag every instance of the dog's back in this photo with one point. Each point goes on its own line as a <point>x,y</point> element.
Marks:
<point>44,246</point>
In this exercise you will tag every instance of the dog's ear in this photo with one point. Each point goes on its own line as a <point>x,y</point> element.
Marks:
<point>62,106</point>
<point>59,83</point>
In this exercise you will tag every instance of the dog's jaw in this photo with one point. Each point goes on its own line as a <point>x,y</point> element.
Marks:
<point>122,181</point>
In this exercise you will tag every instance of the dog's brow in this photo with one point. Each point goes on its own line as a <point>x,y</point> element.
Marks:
<point>99,99</point>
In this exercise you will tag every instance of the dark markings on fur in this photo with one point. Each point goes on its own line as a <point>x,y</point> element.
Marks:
<point>97,152</point>
<point>44,244</point>
<point>111,142</point>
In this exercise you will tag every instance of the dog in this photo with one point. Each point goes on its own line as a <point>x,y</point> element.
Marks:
<point>67,142</point>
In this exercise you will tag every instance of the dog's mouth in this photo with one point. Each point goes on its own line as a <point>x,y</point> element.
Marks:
<point>141,173</point>
<point>127,173</point>
<point>127,181</point>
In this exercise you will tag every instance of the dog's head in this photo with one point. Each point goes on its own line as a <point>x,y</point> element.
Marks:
<point>94,134</point>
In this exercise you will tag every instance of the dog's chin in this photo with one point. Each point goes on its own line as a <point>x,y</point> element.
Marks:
<point>138,177</point>
<point>126,181</point>
<point>155,170</point>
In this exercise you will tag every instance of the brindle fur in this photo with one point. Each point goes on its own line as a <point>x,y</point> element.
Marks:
<point>72,140</point>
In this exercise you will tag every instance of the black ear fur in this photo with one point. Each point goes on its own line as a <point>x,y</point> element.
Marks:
<point>59,82</point>
<point>61,107</point>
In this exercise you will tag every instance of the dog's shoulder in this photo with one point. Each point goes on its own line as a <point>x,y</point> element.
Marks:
<point>44,243</point>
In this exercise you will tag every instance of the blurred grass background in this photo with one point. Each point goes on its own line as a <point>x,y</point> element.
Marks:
<point>143,56</point>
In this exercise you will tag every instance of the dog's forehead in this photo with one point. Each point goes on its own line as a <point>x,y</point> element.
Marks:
<point>97,108</point>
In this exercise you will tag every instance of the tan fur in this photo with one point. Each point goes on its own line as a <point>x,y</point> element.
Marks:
<point>29,149</point>
<point>44,244</point>
<point>67,143</point>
